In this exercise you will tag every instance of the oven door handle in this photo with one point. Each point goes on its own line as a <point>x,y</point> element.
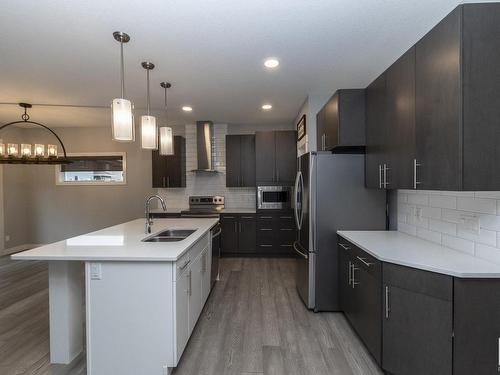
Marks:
<point>217,234</point>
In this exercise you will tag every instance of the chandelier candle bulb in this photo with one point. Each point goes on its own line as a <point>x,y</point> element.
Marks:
<point>13,149</point>
<point>39,150</point>
<point>25,150</point>
<point>52,151</point>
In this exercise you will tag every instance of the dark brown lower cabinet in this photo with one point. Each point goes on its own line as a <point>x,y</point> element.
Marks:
<point>477,327</point>
<point>229,235</point>
<point>361,295</point>
<point>276,232</point>
<point>417,324</point>
<point>238,234</point>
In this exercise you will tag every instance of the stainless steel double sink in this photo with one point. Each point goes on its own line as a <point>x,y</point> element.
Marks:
<point>170,235</point>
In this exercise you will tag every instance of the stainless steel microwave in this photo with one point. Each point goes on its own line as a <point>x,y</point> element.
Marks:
<point>274,197</point>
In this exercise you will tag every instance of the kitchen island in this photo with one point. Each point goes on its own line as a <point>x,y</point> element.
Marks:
<point>138,301</point>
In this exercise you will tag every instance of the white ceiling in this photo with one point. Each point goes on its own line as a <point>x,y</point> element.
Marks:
<point>63,52</point>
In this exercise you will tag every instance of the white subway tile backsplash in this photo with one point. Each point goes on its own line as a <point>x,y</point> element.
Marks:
<point>443,227</point>
<point>429,235</point>
<point>486,237</point>
<point>408,229</point>
<point>448,217</point>
<point>418,198</point>
<point>479,205</point>
<point>431,212</point>
<point>443,201</point>
<point>459,244</point>
<point>488,252</point>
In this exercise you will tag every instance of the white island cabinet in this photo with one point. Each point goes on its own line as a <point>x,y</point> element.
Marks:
<point>142,299</point>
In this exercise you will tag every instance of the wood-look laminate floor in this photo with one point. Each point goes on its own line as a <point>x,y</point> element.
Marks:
<point>253,323</point>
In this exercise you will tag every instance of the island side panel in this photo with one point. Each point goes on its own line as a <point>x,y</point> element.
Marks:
<point>65,310</point>
<point>130,322</point>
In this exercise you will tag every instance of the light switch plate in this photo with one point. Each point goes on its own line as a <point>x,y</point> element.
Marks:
<point>95,271</point>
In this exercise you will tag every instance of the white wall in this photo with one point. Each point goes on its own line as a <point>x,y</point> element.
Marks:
<point>210,183</point>
<point>36,210</point>
<point>448,218</point>
<point>311,106</point>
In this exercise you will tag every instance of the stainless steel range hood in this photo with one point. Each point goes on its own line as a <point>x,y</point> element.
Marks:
<point>205,146</point>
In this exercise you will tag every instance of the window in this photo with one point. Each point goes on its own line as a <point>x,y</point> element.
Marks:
<point>93,169</point>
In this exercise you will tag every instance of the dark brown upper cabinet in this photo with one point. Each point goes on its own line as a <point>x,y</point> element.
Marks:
<point>434,122</point>
<point>169,171</point>
<point>377,133</point>
<point>240,160</point>
<point>341,122</point>
<point>400,142</point>
<point>276,157</point>
<point>438,106</point>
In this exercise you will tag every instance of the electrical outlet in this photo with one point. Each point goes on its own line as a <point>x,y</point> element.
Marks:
<point>469,223</point>
<point>418,212</point>
<point>7,238</point>
<point>95,271</point>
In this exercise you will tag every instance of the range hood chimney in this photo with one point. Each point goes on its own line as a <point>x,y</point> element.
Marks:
<point>205,146</point>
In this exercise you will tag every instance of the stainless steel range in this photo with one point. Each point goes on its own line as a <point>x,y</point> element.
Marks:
<point>204,206</point>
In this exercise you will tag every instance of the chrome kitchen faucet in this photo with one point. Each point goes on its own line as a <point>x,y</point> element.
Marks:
<point>149,220</point>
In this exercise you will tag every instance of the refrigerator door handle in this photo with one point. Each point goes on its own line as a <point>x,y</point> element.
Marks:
<point>296,199</point>
<point>297,250</point>
<point>312,208</point>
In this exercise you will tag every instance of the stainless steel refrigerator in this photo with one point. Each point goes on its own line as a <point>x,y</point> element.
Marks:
<point>330,195</point>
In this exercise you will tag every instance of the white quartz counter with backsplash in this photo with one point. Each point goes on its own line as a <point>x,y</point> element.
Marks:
<point>405,250</point>
<point>465,221</point>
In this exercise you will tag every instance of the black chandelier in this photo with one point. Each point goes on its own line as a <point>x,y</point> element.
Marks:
<point>25,153</point>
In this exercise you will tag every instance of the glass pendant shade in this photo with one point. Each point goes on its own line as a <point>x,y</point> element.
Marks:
<point>149,133</point>
<point>122,120</point>
<point>166,141</point>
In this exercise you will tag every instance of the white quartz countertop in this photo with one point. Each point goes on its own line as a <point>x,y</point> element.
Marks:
<point>123,243</point>
<point>399,248</point>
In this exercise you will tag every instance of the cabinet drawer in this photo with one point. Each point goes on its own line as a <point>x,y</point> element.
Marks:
<point>418,281</point>
<point>190,255</point>
<point>362,259</point>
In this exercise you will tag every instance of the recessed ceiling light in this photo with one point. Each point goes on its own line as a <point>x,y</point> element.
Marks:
<point>187,108</point>
<point>271,63</point>
<point>267,107</point>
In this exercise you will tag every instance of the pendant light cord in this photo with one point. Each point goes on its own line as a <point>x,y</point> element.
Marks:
<point>122,70</point>
<point>166,111</point>
<point>147,72</point>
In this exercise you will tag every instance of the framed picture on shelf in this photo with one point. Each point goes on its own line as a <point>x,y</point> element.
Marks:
<point>301,128</point>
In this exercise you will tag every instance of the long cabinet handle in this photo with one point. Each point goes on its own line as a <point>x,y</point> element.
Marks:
<point>387,308</point>
<point>415,181</point>
<point>350,272</point>
<point>236,227</point>
<point>286,229</point>
<point>353,275</point>
<point>386,168</point>
<point>239,224</point>
<point>363,260</point>
<point>380,176</point>
<point>344,246</point>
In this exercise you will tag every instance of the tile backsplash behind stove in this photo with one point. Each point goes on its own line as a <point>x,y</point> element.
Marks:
<point>208,183</point>
<point>465,221</point>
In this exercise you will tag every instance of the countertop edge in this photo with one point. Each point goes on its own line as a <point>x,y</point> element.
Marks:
<point>467,275</point>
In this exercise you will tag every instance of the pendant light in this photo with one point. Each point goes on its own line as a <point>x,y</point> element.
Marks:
<point>166,136</point>
<point>149,131</point>
<point>122,118</point>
